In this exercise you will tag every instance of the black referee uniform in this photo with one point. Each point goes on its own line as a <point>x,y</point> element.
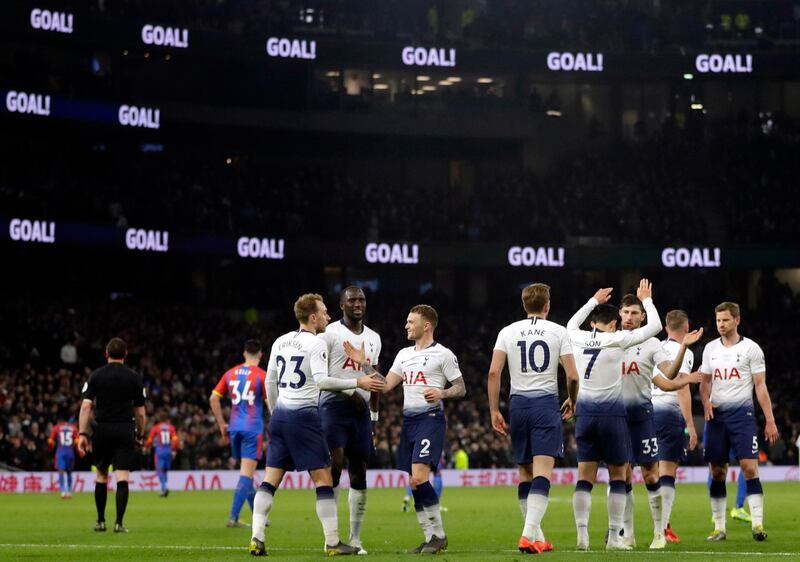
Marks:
<point>115,390</point>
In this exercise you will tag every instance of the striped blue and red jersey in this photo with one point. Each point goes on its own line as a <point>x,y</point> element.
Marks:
<point>64,438</point>
<point>245,385</point>
<point>164,437</point>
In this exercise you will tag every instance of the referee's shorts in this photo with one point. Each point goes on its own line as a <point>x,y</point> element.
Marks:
<point>114,444</point>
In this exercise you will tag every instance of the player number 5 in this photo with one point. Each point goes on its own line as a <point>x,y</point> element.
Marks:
<point>755,444</point>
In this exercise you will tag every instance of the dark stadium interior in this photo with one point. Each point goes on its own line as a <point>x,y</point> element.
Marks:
<point>325,153</point>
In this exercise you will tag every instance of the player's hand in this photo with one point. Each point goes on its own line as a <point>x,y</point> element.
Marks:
<point>645,290</point>
<point>499,424</point>
<point>432,395</point>
<point>567,409</point>
<point>174,454</point>
<point>223,430</point>
<point>692,439</point>
<point>708,411</point>
<point>771,432</point>
<point>694,378</point>
<point>371,383</point>
<point>602,295</point>
<point>84,445</point>
<point>356,354</point>
<point>692,337</point>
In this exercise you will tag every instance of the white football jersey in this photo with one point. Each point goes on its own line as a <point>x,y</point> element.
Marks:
<point>297,360</point>
<point>421,370</point>
<point>533,347</point>
<point>731,370</point>
<point>598,361</point>
<point>638,371</point>
<point>340,366</point>
<point>668,399</point>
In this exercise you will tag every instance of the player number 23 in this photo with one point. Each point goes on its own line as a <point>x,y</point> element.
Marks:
<point>301,380</point>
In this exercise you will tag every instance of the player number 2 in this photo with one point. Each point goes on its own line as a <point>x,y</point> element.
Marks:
<point>530,356</point>
<point>650,446</point>
<point>425,450</point>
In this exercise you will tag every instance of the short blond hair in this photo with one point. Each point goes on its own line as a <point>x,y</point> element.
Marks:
<point>535,297</point>
<point>428,313</point>
<point>306,305</point>
<point>675,319</point>
<point>731,307</point>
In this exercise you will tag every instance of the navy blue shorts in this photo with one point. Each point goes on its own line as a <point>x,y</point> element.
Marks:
<point>163,461</point>
<point>535,425</point>
<point>296,440</point>
<point>671,432</point>
<point>421,440</point>
<point>347,427</point>
<point>603,438</point>
<point>732,431</point>
<point>644,442</point>
<point>65,461</point>
<point>246,444</point>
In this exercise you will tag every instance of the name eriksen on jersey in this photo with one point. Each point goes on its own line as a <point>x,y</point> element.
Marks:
<point>291,343</point>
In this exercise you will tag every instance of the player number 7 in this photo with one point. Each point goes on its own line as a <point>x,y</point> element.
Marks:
<point>594,353</point>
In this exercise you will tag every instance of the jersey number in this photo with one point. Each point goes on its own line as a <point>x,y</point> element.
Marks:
<point>755,444</point>
<point>530,356</point>
<point>297,360</point>
<point>648,448</point>
<point>426,445</point>
<point>594,353</point>
<point>247,394</point>
<point>66,438</point>
<point>165,436</point>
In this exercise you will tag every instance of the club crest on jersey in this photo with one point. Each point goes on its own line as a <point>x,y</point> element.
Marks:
<point>411,377</point>
<point>724,374</point>
<point>630,369</point>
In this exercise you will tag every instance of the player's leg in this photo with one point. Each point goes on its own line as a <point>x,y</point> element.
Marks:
<point>538,498</point>
<point>668,470</point>
<point>628,528</point>
<point>654,497</point>
<point>589,455</point>
<point>582,500</point>
<point>69,465</point>
<point>244,491</point>
<point>166,467</point>
<point>358,449</point>
<point>337,466</point>
<point>262,505</point>
<point>162,480</point>
<point>524,487</point>
<point>615,448</point>
<point>121,475</point>
<point>745,441</point>
<point>427,450</point>
<point>717,447</point>
<point>61,477</point>
<point>616,506</point>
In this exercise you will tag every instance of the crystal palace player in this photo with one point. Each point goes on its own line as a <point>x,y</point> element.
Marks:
<point>733,367</point>
<point>645,365</point>
<point>346,419</point>
<point>424,369</point>
<point>534,347</point>
<point>297,372</point>
<point>601,431</point>
<point>64,439</point>
<point>246,385</point>
<point>165,437</point>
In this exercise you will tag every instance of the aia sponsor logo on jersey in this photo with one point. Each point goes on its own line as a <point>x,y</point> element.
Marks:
<point>725,374</point>
<point>350,364</point>
<point>414,377</point>
<point>631,368</point>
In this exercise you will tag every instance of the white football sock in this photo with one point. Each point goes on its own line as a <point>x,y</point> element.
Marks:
<point>262,504</point>
<point>358,506</point>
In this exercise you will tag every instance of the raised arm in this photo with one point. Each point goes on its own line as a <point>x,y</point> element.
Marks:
<point>670,369</point>
<point>653,326</point>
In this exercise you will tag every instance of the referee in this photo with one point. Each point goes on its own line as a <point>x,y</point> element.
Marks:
<point>117,395</point>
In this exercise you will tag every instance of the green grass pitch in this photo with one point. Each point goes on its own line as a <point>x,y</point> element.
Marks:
<point>482,524</point>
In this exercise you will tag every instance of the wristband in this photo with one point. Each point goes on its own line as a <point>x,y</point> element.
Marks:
<point>373,415</point>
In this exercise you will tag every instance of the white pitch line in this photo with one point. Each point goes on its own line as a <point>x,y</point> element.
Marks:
<point>244,548</point>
